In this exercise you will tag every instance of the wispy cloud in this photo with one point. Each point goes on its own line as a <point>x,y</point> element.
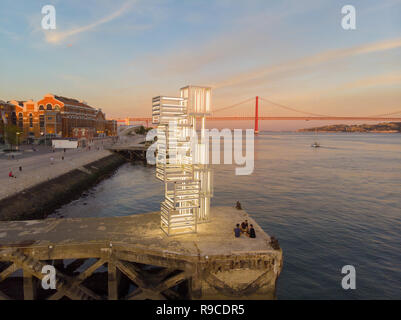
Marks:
<point>229,44</point>
<point>387,79</point>
<point>367,84</point>
<point>310,61</point>
<point>10,35</point>
<point>56,37</point>
<point>380,5</point>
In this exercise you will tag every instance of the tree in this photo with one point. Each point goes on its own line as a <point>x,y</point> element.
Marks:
<point>141,130</point>
<point>11,133</point>
<point>2,140</point>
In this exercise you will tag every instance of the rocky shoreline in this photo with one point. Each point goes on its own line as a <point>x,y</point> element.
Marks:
<point>391,127</point>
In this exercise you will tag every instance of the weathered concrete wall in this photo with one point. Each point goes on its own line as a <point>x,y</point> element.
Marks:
<point>42,199</point>
<point>250,279</point>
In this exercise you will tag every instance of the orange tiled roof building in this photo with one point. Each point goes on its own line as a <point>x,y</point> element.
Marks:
<point>58,116</point>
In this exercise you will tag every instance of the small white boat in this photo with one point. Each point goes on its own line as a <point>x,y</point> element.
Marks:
<point>315,144</point>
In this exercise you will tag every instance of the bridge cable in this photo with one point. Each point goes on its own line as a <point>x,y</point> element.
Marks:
<point>385,114</point>
<point>320,115</point>
<point>232,106</point>
<point>292,109</point>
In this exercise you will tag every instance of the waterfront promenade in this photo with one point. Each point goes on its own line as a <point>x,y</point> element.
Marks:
<point>37,168</point>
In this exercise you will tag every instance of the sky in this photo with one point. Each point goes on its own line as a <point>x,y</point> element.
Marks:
<point>117,54</point>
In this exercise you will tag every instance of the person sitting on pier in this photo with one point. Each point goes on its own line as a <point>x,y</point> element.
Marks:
<point>237,231</point>
<point>244,226</point>
<point>251,232</point>
<point>238,206</point>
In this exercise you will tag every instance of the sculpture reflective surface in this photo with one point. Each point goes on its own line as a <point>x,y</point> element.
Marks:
<point>182,159</point>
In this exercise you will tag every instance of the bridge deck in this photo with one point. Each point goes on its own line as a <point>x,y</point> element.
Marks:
<point>261,117</point>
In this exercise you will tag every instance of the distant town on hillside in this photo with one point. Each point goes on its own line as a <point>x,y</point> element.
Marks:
<point>389,127</point>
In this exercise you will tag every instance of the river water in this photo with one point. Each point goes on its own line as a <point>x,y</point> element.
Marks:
<point>329,207</point>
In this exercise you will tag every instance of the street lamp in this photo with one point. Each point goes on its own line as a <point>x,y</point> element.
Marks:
<point>18,133</point>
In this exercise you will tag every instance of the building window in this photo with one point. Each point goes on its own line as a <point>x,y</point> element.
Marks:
<point>41,120</point>
<point>48,106</point>
<point>14,118</point>
<point>49,118</point>
<point>30,121</point>
<point>20,120</point>
<point>57,107</point>
<point>41,107</point>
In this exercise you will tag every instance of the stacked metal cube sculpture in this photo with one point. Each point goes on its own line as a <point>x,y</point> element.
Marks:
<point>182,159</point>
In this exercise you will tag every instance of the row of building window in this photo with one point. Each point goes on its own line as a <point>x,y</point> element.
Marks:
<point>42,119</point>
<point>21,120</point>
<point>49,107</point>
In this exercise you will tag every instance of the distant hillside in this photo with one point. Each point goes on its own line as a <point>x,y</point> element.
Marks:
<point>390,127</point>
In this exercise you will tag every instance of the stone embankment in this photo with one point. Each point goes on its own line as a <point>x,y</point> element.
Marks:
<point>46,187</point>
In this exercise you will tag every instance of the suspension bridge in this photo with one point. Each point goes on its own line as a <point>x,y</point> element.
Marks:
<point>263,110</point>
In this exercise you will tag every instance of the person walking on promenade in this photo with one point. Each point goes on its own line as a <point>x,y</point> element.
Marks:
<point>10,175</point>
<point>51,160</point>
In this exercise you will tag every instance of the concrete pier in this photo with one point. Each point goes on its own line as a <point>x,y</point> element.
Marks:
<point>211,264</point>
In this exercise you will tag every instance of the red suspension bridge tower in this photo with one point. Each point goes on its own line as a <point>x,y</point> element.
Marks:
<point>257,115</point>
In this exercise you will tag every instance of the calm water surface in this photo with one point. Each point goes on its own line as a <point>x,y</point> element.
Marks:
<point>329,207</point>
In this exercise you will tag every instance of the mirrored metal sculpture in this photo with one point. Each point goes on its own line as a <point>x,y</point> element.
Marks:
<point>182,159</point>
